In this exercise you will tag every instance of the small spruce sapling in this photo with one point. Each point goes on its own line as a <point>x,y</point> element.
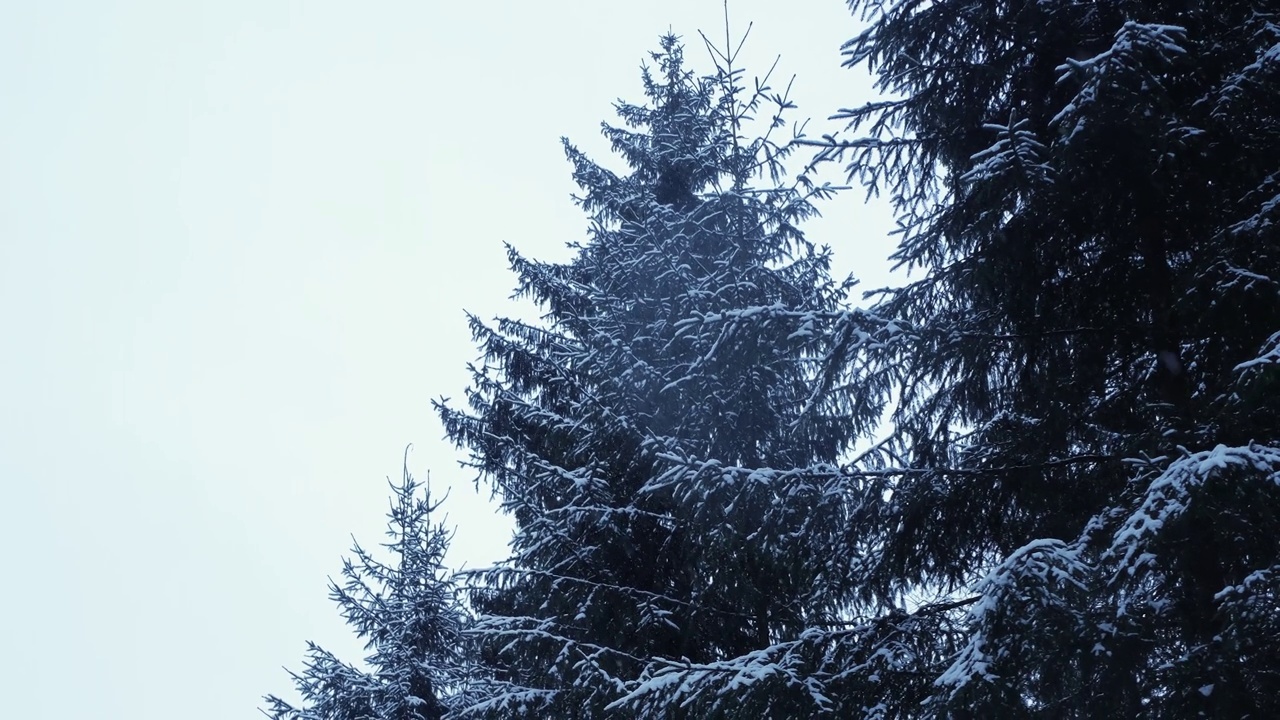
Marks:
<point>408,614</point>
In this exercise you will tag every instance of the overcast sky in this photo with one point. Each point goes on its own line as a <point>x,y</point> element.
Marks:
<point>236,242</point>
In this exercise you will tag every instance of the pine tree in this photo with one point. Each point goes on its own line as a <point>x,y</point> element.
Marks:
<point>407,612</point>
<point>1085,521</point>
<point>655,435</point>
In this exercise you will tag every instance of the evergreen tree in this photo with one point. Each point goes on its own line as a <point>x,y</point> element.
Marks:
<point>1089,488</point>
<point>408,614</point>
<point>656,435</point>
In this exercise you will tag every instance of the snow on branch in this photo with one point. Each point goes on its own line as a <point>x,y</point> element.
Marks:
<point>1129,68</point>
<point>1017,150</point>
<point>1170,494</point>
<point>507,699</point>
<point>1247,592</point>
<point>804,320</point>
<point>1269,356</point>
<point>684,466</point>
<point>1252,79</point>
<point>684,683</point>
<point>1032,580</point>
<point>846,669</point>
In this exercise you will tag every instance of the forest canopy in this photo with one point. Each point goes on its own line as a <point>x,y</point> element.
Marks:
<point>1040,479</point>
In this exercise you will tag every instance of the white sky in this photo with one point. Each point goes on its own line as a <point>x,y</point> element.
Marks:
<point>236,242</point>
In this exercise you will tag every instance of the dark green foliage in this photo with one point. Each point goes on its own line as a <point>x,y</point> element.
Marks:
<point>1090,190</point>
<point>692,349</point>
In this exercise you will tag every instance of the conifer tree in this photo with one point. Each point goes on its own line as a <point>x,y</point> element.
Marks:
<point>653,436</point>
<point>408,614</point>
<point>1078,514</point>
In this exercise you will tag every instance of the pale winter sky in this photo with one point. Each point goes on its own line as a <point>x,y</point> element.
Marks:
<point>236,242</point>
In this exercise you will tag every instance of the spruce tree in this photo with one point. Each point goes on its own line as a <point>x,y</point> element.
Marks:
<point>1079,514</point>
<point>408,613</point>
<point>663,436</point>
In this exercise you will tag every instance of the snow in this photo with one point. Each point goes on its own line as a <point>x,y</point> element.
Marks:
<point>1017,150</point>
<point>1034,576</point>
<point>1173,490</point>
<point>1127,69</point>
<point>1270,356</point>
